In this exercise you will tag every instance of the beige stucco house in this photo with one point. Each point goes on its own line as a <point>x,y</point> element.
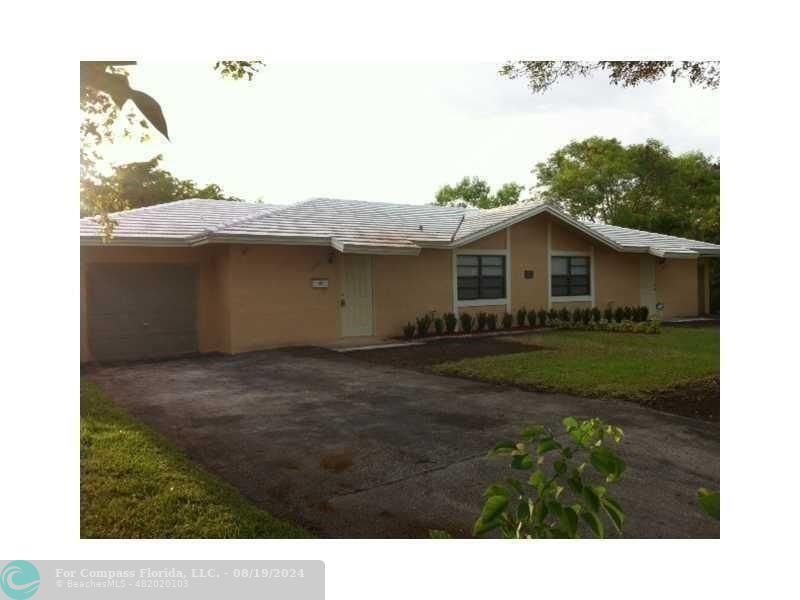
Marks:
<point>216,276</point>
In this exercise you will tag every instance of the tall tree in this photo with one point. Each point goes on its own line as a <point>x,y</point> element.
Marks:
<point>477,193</point>
<point>139,184</point>
<point>542,75</point>
<point>642,186</point>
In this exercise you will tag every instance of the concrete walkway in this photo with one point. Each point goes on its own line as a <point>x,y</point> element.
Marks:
<point>352,449</point>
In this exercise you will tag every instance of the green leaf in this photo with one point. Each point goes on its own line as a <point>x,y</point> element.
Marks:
<point>523,511</point>
<point>569,521</point>
<point>709,502</point>
<point>560,466</point>
<point>439,534</point>
<point>591,498</point>
<point>489,519</point>
<point>516,484</point>
<point>594,523</point>
<point>607,463</point>
<point>537,480</point>
<point>570,423</point>
<point>614,512</point>
<point>575,483</point>
<point>496,490</point>
<point>531,433</point>
<point>505,447</point>
<point>523,461</point>
<point>548,445</point>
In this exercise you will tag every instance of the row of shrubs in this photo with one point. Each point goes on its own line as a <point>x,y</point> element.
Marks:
<point>578,318</point>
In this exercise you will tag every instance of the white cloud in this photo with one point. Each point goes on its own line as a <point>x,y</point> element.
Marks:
<point>394,133</point>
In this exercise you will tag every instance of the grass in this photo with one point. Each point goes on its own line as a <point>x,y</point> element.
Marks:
<point>134,484</point>
<point>601,364</point>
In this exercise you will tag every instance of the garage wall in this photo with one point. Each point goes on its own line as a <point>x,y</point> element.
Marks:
<point>407,287</point>
<point>271,300</point>
<point>211,315</point>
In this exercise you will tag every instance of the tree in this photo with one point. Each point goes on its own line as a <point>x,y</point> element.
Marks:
<point>140,184</point>
<point>542,75</point>
<point>642,186</point>
<point>476,192</point>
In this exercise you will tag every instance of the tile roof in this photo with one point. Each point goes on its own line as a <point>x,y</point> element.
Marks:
<point>353,226</point>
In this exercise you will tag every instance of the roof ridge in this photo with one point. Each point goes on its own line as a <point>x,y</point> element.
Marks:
<point>254,216</point>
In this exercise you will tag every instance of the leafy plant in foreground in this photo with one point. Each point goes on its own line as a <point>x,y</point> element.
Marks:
<point>531,318</point>
<point>491,321</point>
<point>709,502</point>
<point>467,322</point>
<point>408,330</point>
<point>619,314</point>
<point>558,493</point>
<point>482,320</point>
<point>522,314</point>
<point>508,321</point>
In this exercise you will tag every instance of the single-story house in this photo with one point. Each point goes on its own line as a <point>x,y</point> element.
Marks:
<point>217,276</point>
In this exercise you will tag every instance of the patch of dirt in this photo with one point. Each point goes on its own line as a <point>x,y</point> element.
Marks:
<point>698,400</point>
<point>423,357</point>
<point>338,461</point>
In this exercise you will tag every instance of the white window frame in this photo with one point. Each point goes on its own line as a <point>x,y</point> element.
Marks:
<point>566,299</point>
<point>505,300</point>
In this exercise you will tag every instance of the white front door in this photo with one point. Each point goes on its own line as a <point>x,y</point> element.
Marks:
<point>356,301</point>
<point>647,283</point>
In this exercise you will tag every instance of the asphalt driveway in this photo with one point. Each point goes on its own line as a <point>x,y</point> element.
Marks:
<point>353,449</point>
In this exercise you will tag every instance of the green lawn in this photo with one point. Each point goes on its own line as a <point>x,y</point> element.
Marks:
<point>134,484</point>
<point>601,364</point>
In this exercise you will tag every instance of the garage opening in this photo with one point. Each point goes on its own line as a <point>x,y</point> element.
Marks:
<point>139,311</point>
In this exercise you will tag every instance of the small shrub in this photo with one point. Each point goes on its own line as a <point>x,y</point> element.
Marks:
<point>423,325</point>
<point>564,483</point>
<point>636,314</point>
<point>552,314</point>
<point>491,321</point>
<point>531,318</point>
<point>586,316</point>
<point>608,314</point>
<point>482,318</point>
<point>563,314</point>
<point>596,315</point>
<point>408,330</point>
<point>467,322</point>
<point>619,314</point>
<point>438,325</point>
<point>522,314</point>
<point>577,315</point>
<point>508,321</point>
<point>644,313</point>
<point>542,316</point>
<point>628,312</point>
<point>450,322</point>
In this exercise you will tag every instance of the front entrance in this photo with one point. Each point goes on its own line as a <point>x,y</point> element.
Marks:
<point>647,283</point>
<point>356,301</point>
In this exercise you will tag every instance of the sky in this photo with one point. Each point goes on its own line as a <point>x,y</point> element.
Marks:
<point>393,133</point>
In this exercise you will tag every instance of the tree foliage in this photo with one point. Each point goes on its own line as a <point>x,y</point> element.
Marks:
<point>105,91</point>
<point>542,75</point>
<point>139,184</point>
<point>476,192</point>
<point>642,186</point>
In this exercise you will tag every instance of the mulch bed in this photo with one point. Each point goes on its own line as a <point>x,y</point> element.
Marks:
<point>423,357</point>
<point>699,400</point>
